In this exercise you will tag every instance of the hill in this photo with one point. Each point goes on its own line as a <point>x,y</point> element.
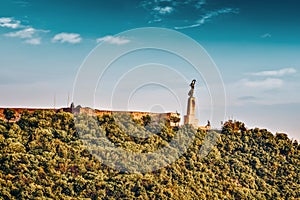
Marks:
<point>42,157</point>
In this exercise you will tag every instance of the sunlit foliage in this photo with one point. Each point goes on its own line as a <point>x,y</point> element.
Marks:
<point>42,156</point>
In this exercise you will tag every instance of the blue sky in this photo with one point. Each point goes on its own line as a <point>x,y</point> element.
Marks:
<point>255,45</point>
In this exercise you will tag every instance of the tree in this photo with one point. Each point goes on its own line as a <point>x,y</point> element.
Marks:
<point>175,120</point>
<point>9,114</point>
<point>146,120</point>
<point>40,157</point>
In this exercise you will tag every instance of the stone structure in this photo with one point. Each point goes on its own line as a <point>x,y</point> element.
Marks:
<point>190,117</point>
<point>173,119</point>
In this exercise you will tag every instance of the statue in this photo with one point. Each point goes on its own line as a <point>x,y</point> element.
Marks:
<point>190,117</point>
<point>208,123</point>
<point>191,92</point>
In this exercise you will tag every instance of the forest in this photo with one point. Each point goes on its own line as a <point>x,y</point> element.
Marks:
<point>43,155</point>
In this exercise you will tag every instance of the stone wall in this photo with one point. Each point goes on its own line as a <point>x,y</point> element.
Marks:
<point>89,111</point>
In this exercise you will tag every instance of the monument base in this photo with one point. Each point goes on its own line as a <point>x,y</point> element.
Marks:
<point>190,117</point>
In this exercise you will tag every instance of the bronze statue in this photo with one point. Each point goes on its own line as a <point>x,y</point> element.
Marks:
<point>191,92</point>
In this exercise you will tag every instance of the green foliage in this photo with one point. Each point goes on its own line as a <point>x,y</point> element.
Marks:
<point>175,119</point>
<point>42,157</point>
<point>146,120</point>
<point>9,114</point>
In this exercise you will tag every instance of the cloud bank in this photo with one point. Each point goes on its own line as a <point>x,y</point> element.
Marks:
<point>25,33</point>
<point>30,34</point>
<point>8,22</point>
<point>269,83</point>
<point>280,72</point>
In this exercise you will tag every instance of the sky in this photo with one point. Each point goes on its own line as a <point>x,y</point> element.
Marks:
<point>254,44</point>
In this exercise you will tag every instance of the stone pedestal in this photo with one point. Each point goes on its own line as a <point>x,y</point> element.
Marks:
<point>190,117</point>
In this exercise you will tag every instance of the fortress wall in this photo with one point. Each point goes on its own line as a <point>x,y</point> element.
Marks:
<point>136,114</point>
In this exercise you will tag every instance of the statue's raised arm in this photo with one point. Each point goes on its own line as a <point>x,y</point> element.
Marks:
<point>191,92</point>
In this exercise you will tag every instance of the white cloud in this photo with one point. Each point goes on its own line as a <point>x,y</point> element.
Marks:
<point>269,83</point>
<point>164,10</point>
<point>200,4</point>
<point>154,21</point>
<point>72,38</point>
<point>29,34</point>
<point>188,26</point>
<point>208,16</point>
<point>8,22</point>
<point>216,13</point>
<point>113,40</point>
<point>25,33</point>
<point>266,35</point>
<point>33,41</point>
<point>281,72</point>
<point>158,9</point>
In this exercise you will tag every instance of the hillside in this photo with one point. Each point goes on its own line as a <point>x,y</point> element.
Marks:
<point>42,157</point>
